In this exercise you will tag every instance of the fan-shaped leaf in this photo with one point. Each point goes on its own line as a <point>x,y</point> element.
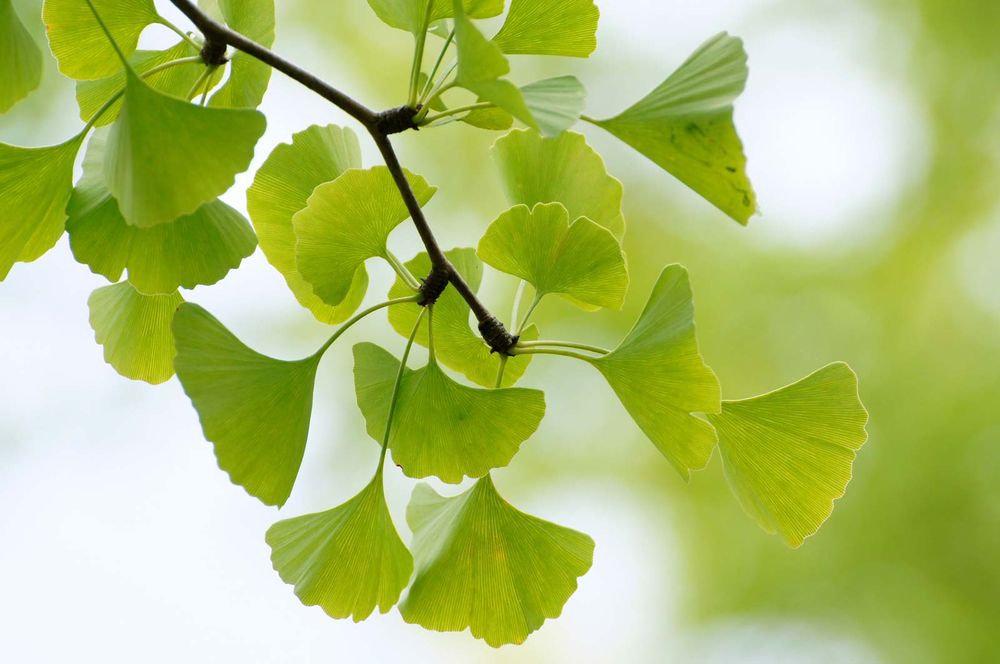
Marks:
<point>248,76</point>
<point>440,427</point>
<point>483,565</point>
<point>550,27</point>
<point>555,103</point>
<point>788,454</point>
<point>409,14</point>
<point>20,59</point>
<point>253,408</point>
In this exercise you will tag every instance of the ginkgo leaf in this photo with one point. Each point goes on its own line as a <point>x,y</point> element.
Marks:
<point>471,432</point>
<point>456,344</point>
<point>20,58</point>
<point>198,249</point>
<point>555,103</point>
<point>282,187</point>
<point>248,76</point>
<point>134,330</point>
<point>253,408</point>
<point>686,126</point>
<point>541,246</point>
<point>483,565</point>
<point>346,222</point>
<point>166,157</point>
<point>789,454</point>
<point>550,27</point>
<point>490,119</point>
<point>535,169</point>
<point>35,185</point>
<point>661,379</point>
<point>409,15</point>
<point>346,560</point>
<point>79,44</point>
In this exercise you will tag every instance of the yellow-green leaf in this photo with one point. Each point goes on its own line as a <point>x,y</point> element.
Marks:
<point>20,59</point>
<point>550,27</point>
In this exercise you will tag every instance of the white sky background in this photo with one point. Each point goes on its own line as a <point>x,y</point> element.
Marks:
<point>120,540</point>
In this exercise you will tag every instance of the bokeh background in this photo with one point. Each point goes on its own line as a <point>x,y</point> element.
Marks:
<point>873,132</point>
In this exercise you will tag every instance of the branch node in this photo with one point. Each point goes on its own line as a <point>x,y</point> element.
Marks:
<point>213,53</point>
<point>433,285</point>
<point>496,336</point>
<point>396,120</point>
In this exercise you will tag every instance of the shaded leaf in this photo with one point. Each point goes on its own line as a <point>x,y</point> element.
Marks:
<point>20,59</point>
<point>248,77</point>
<point>555,103</point>
<point>490,119</point>
<point>409,14</point>
<point>550,27</point>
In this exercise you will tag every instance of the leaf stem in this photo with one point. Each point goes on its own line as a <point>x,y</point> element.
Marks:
<point>437,65</point>
<point>500,370</point>
<point>527,316</point>
<point>550,351</point>
<point>563,344</point>
<point>199,83</point>
<point>418,55</point>
<point>456,111</point>
<point>359,317</point>
<point>431,356</point>
<point>183,35</point>
<point>395,391</point>
<point>401,270</point>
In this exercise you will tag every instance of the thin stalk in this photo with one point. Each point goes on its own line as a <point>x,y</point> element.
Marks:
<point>515,309</point>
<point>437,65</point>
<point>198,84</point>
<point>500,370</point>
<point>431,356</point>
<point>359,317</point>
<point>208,85</point>
<point>456,111</point>
<point>418,56</point>
<point>563,344</point>
<point>401,270</point>
<point>527,315</point>
<point>394,399</point>
<point>550,351</point>
<point>183,35</point>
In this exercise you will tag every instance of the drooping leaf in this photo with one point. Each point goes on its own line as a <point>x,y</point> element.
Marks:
<point>134,330</point>
<point>686,126</point>
<point>20,59</point>
<point>198,249</point>
<point>346,222</point>
<point>550,27</point>
<point>661,379</point>
<point>555,103</point>
<point>79,44</point>
<point>409,15</point>
<point>165,157</point>
<point>471,431</point>
<point>248,76</point>
<point>535,169</point>
<point>483,565</point>
<point>35,185</point>
<point>253,408</point>
<point>282,187</point>
<point>490,119</point>
<point>541,246</point>
<point>346,560</point>
<point>788,454</point>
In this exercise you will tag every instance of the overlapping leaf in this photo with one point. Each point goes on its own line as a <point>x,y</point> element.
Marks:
<point>686,126</point>
<point>410,15</point>
<point>248,76</point>
<point>253,408</point>
<point>485,566</point>
<point>555,103</point>
<point>134,330</point>
<point>550,27</point>
<point>442,428</point>
<point>20,58</point>
<point>788,454</point>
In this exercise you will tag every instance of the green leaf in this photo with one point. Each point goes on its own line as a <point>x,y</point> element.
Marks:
<point>481,564</point>
<point>347,560</point>
<point>490,119</point>
<point>346,222</point>
<point>788,454</point>
<point>581,260</point>
<point>198,249</point>
<point>535,169</point>
<point>35,185</point>
<point>440,427</point>
<point>282,187</point>
<point>661,379</point>
<point>456,345</point>
<point>253,408</point>
<point>79,44</point>
<point>686,127</point>
<point>134,330</point>
<point>248,76</point>
<point>409,14</point>
<point>20,59</point>
<point>555,103</point>
<point>166,157</point>
<point>550,27</point>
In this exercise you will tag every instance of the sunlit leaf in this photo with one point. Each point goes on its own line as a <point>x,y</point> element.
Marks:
<point>541,246</point>
<point>79,44</point>
<point>564,169</point>
<point>555,103</point>
<point>788,454</point>
<point>346,222</point>
<point>471,431</point>
<point>253,408</point>
<point>550,27</point>
<point>686,126</point>
<point>346,560</point>
<point>483,565</point>
<point>409,15</point>
<point>490,119</point>
<point>248,76</point>
<point>35,185</point>
<point>166,157</point>
<point>134,330</point>
<point>20,58</point>
<point>661,379</point>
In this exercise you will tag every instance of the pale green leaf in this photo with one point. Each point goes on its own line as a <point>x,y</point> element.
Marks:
<point>788,454</point>
<point>346,222</point>
<point>253,408</point>
<point>79,44</point>
<point>20,59</point>
<point>490,119</point>
<point>442,428</point>
<point>282,187</point>
<point>550,27</point>
<point>686,126</point>
<point>248,76</point>
<point>555,103</point>
<point>541,246</point>
<point>535,169</point>
<point>483,565</point>
<point>134,330</point>
<point>410,15</point>
<point>346,560</point>
<point>166,157</point>
<point>661,379</point>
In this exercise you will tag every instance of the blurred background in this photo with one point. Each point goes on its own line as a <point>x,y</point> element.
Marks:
<point>873,133</point>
